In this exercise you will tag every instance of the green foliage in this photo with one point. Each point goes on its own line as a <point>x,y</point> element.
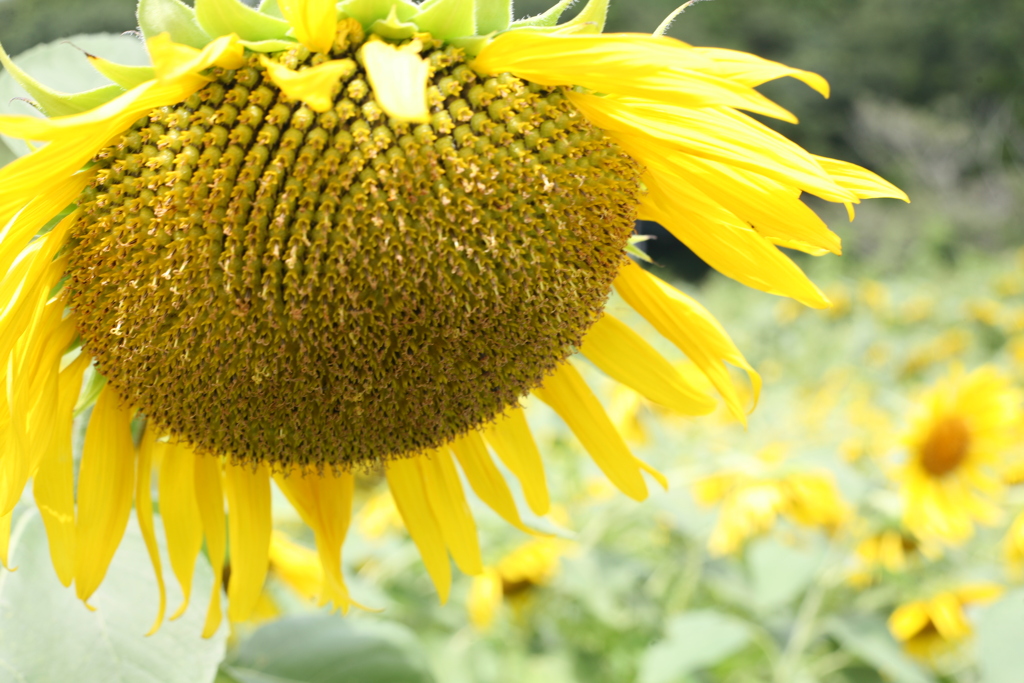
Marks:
<point>47,634</point>
<point>321,648</point>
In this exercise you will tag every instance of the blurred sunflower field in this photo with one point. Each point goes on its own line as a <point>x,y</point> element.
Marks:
<point>865,525</point>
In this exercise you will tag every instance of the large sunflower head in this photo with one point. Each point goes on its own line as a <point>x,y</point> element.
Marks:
<point>321,237</point>
<point>960,430</point>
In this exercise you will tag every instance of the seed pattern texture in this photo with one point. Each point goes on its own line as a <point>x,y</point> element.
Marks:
<point>342,288</point>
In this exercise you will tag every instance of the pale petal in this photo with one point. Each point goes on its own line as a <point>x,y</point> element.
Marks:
<point>317,85</point>
<point>398,76</point>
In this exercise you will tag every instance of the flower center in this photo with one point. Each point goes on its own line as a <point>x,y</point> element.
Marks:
<point>948,444</point>
<point>342,288</point>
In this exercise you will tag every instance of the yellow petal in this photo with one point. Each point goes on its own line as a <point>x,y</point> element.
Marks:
<point>5,540</point>
<point>725,242</point>
<point>210,499</point>
<point>484,477</point>
<point>398,76</point>
<point>17,234</point>
<point>623,355</point>
<point>314,22</point>
<point>947,615</point>
<point>689,326</point>
<point>297,566</point>
<point>316,85</point>
<point>54,487</point>
<point>77,138</point>
<point>144,515</point>
<point>752,70</point>
<point>106,480</point>
<point>510,437</point>
<point>862,182</point>
<point>570,397</point>
<point>174,61</point>
<point>444,492</point>
<point>485,596</point>
<point>716,133</point>
<point>635,65</point>
<point>248,494</point>
<point>179,511</point>
<point>908,620</point>
<point>32,394</point>
<point>406,484</point>
<point>324,501</point>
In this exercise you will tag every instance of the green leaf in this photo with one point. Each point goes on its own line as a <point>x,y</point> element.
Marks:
<point>493,15</point>
<point>54,102</point>
<point>124,75</point>
<point>270,7</point>
<point>1000,655</point>
<point>591,18</point>
<point>173,17</point>
<point>324,648</point>
<point>64,69</point>
<point>223,17</point>
<point>868,638</point>
<point>695,640</point>
<point>368,11</point>
<point>447,18</point>
<point>47,634</point>
<point>394,28</point>
<point>548,18</point>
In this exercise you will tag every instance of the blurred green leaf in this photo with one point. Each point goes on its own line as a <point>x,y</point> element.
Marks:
<point>780,572</point>
<point>999,630</point>
<point>323,648</point>
<point>47,634</point>
<point>869,639</point>
<point>696,640</point>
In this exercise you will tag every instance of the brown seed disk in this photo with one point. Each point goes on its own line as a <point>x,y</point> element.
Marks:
<point>339,289</point>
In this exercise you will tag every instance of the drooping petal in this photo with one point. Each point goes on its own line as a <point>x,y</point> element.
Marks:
<point>398,76</point>
<point>510,436</point>
<point>717,133</point>
<point>316,85</point>
<point>484,477</point>
<point>689,326</point>
<point>406,483</point>
<point>314,22</point>
<point>144,514</point>
<point>248,494</point>
<point>725,242</point>
<point>448,502</point>
<point>633,65</point>
<point>179,511</point>
<point>210,499</point>
<point>17,234</point>
<point>54,486</point>
<point>569,396</point>
<point>623,355</point>
<point>106,479</point>
<point>324,501</point>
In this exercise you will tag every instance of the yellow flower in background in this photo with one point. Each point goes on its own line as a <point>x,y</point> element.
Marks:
<point>378,516</point>
<point>959,431</point>
<point>892,551</point>
<point>942,348</point>
<point>322,238</point>
<point>750,504</point>
<point>513,579</point>
<point>931,628</point>
<point>1013,547</point>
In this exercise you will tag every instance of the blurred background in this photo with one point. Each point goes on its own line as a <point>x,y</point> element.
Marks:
<point>784,551</point>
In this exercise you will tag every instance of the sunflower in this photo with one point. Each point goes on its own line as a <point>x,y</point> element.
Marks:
<point>938,625</point>
<point>316,239</point>
<point>514,579</point>
<point>753,500</point>
<point>960,430</point>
